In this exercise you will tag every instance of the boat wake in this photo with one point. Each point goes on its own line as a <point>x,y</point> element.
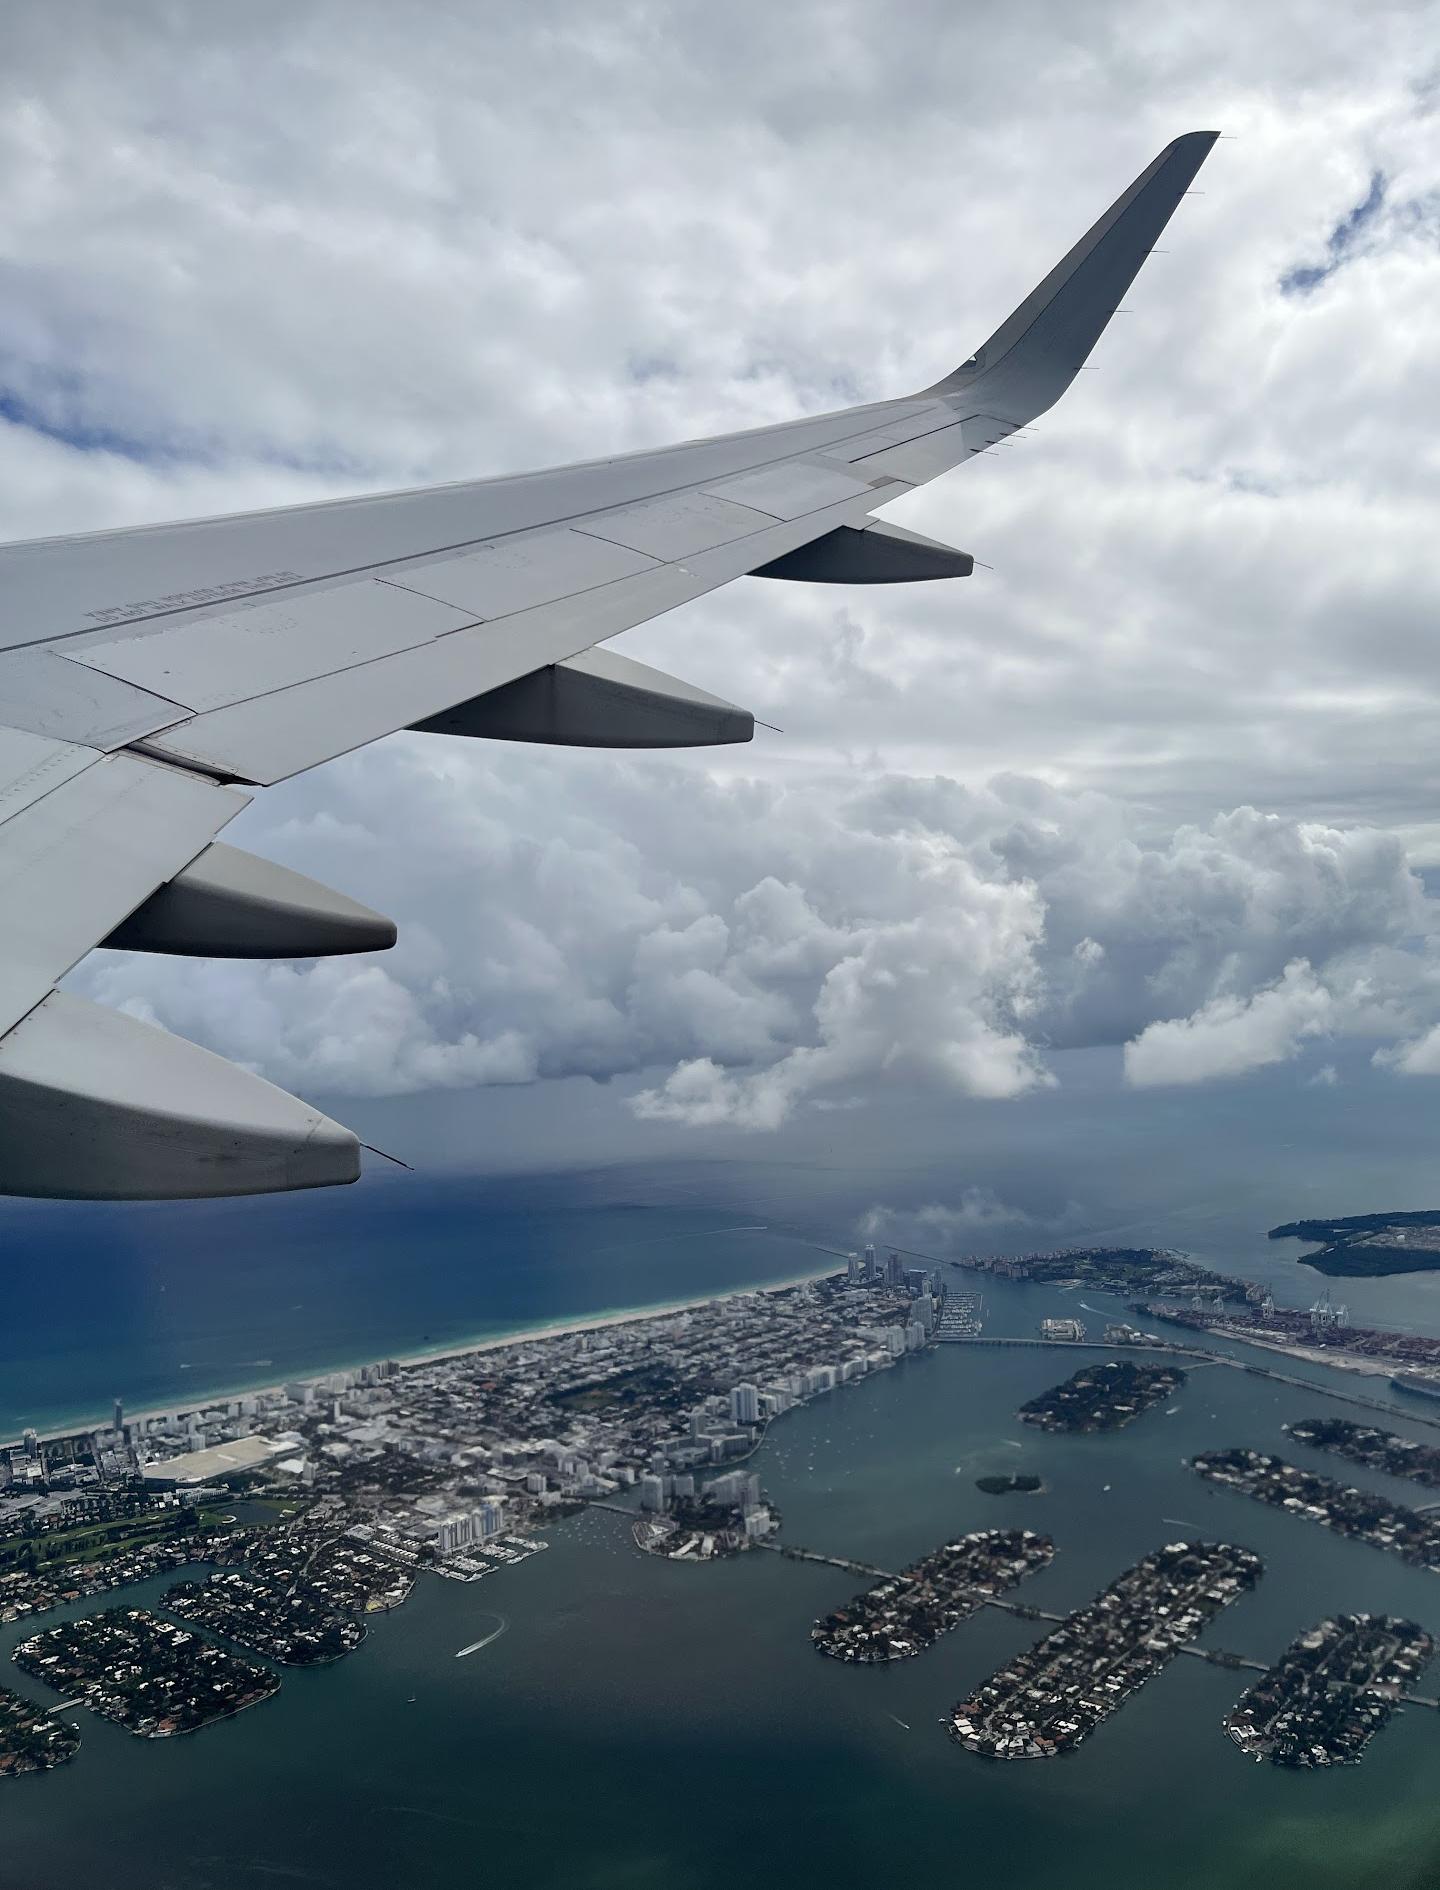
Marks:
<point>475,1646</point>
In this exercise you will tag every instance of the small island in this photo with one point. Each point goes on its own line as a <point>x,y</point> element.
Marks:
<point>1005,1486</point>
<point>1376,1449</point>
<point>1330,1692</point>
<point>294,1624</point>
<point>1052,1698</point>
<point>1368,1245</point>
<point>150,1676</point>
<point>907,1613</point>
<point>32,1740</point>
<point>1103,1397</point>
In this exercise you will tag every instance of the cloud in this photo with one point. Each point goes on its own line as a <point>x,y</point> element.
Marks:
<point>763,948</point>
<point>1231,1036</point>
<point>949,1226</point>
<point>259,256</point>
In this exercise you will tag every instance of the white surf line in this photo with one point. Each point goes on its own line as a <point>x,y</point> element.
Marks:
<point>475,1646</point>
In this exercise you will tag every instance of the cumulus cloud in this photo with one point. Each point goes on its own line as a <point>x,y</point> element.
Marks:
<point>1230,1036</point>
<point>768,947</point>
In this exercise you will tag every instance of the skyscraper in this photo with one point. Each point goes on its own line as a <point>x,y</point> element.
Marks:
<point>745,1404</point>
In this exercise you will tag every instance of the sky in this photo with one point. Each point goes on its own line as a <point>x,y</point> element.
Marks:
<point>1159,783</point>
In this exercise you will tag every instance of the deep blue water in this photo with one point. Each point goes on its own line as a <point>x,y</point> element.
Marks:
<point>157,1303</point>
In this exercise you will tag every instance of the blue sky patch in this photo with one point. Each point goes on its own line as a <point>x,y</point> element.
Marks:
<point>1340,244</point>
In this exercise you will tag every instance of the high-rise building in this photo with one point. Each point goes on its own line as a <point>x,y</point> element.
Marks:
<point>491,1517</point>
<point>853,1271</point>
<point>118,1420</point>
<point>923,1309</point>
<point>745,1404</point>
<point>895,1271</point>
<point>914,1336</point>
<point>872,1270</point>
<point>32,1446</point>
<point>652,1492</point>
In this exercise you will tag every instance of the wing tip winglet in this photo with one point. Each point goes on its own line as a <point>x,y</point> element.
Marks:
<point>1048,335</point>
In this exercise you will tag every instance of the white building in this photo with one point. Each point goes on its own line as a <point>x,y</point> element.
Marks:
<point>745,1404</point>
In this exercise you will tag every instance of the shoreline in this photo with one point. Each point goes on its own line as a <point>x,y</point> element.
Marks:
<point>1362,1363</point>
<point>464,1348</point>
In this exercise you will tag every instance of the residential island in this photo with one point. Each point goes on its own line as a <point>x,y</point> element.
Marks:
<point>32,1739</point>
<point>1349,1512</point>
<point>150,1676</point>
<point>293,1623</point>
<point>1367,1245</point>
<point>1330,1692</point>
<point>1376,1449</point>
<point>1103,1397</point>
<point>1009,1485</point>
<point>1050,1699</point>
<point>907,1613</point>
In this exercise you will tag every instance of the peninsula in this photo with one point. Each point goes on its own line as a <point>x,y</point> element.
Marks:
<point>1366,1245</point>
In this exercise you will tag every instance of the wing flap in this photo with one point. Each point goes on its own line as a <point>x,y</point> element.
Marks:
<point>47,694</point>
<point>263,647</point>
<point>80,860</point>
<point>32,766</point>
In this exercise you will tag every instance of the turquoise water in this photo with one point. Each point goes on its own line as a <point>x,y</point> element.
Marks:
<point>645,1724</point>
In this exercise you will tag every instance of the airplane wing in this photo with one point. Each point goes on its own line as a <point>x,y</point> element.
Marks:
<point>151,679</point>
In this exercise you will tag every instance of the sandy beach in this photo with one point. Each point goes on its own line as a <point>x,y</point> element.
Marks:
<point>588,1322</point>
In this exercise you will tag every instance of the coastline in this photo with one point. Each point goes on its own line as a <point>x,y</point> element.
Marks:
<point>554,1329</point>
<point>1314,1354</point>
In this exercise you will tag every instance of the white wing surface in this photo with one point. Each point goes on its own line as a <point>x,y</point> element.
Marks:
<point>150,678</point>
